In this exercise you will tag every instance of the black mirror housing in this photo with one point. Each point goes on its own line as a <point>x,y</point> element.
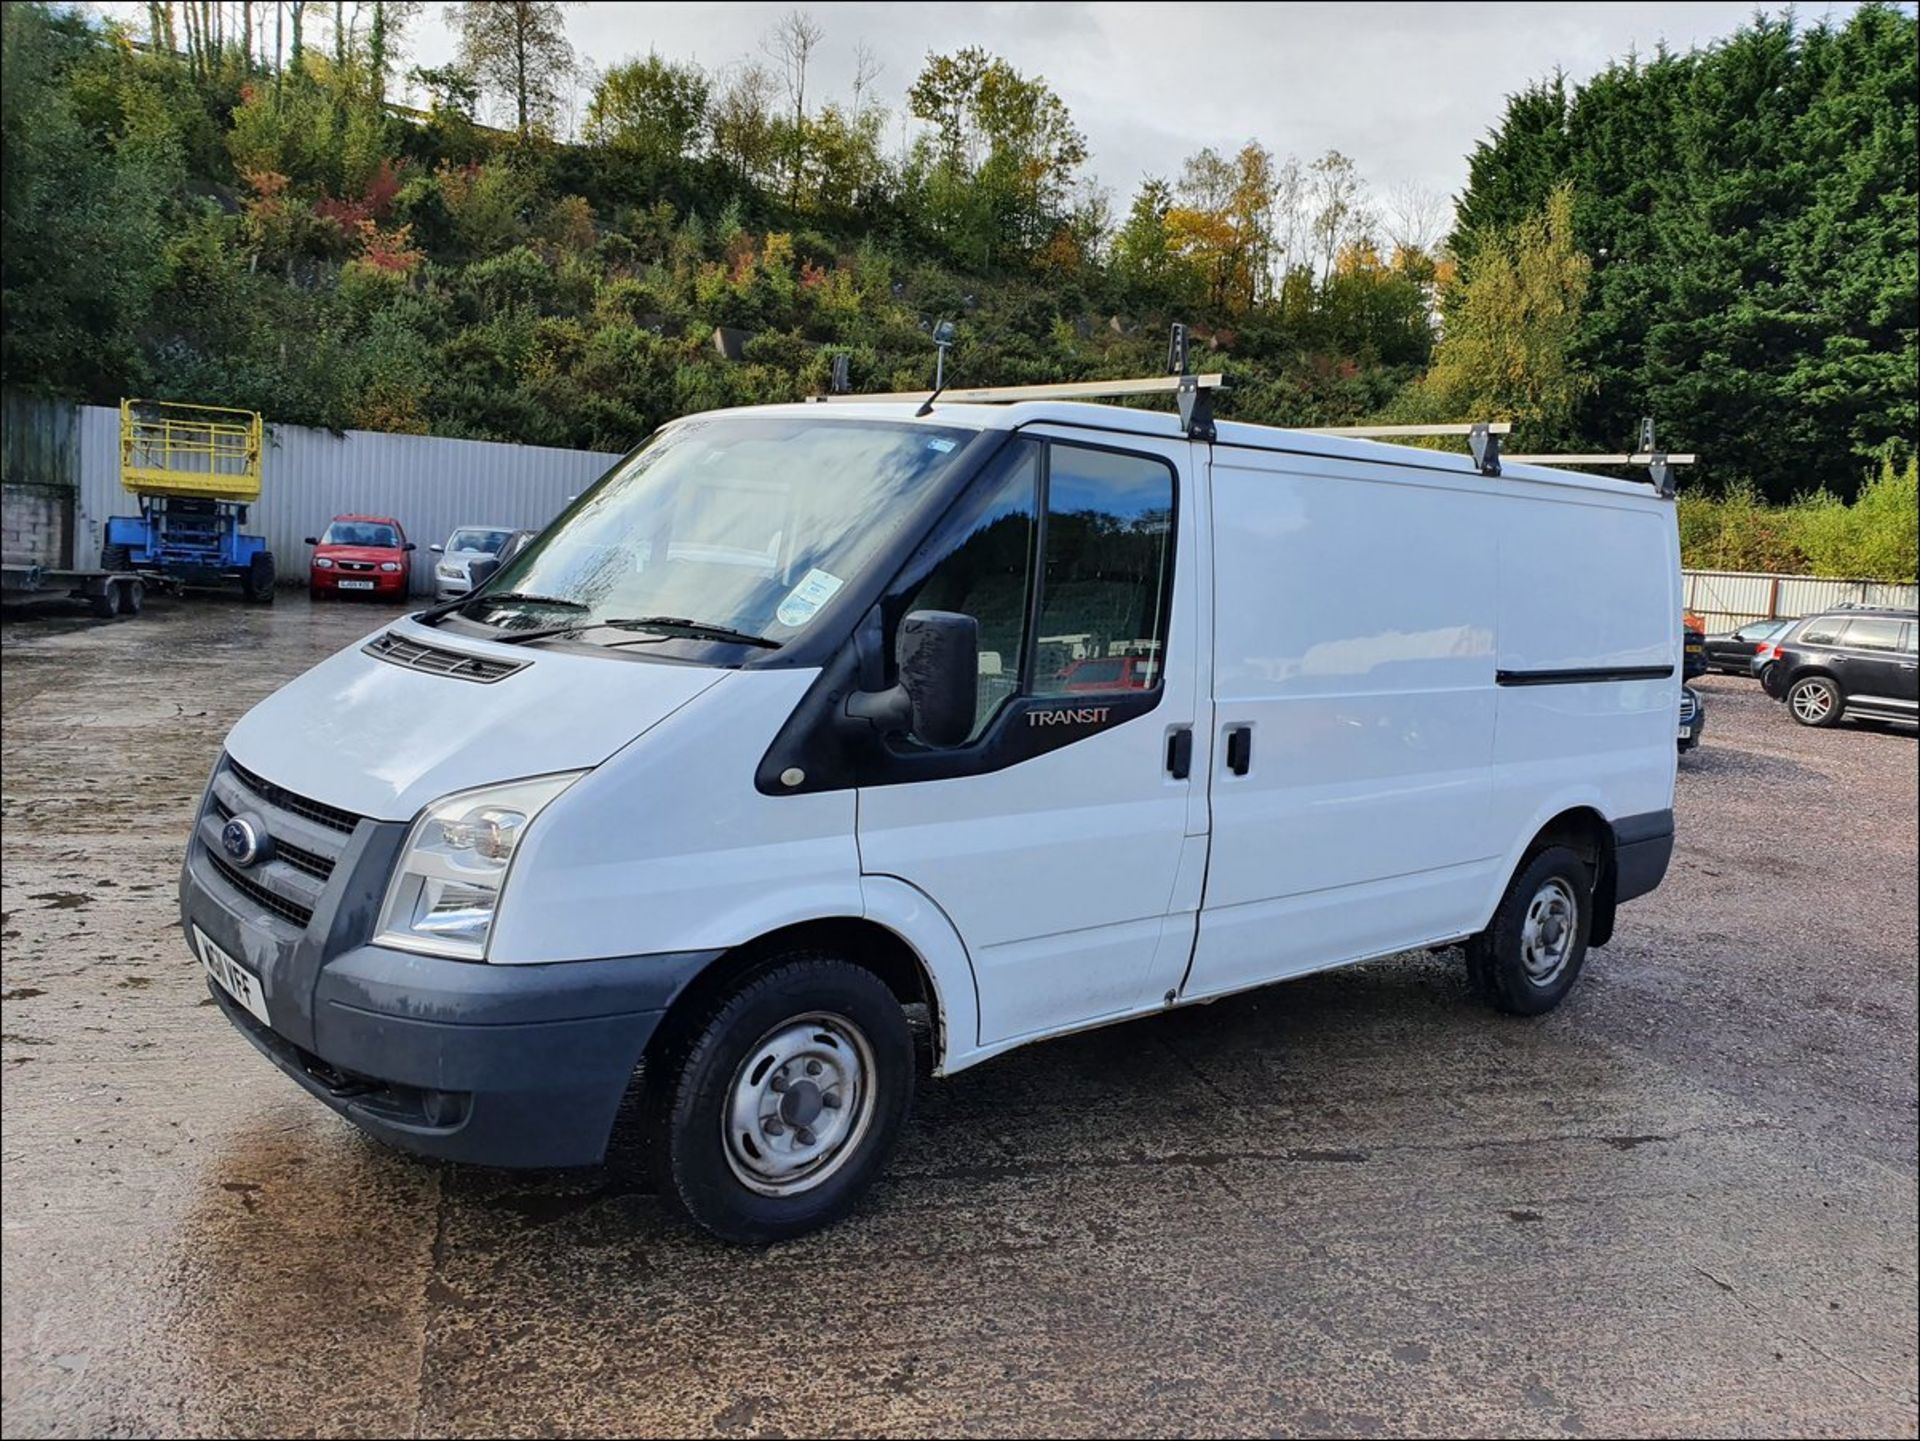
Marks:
<point>937,653</point>
<point>481,571</point>
<point>410,546</point>
<point>311,540</point>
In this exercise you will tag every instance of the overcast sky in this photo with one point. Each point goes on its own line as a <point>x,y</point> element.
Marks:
<point>1405,89</point>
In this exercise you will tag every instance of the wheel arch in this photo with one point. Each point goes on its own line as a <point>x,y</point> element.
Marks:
<point>1586,831</point>
<point>858,939</point>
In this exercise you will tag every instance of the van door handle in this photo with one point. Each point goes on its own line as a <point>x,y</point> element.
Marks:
<point>1239,749</point>
<point>1180,753</point>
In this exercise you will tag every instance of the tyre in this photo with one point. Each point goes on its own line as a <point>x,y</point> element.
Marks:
<point>315,594</point>
<point>777,1108</point>
<point>1814,700</point>
<point>1531,953</point>
<point>256,583</point>
<point>116,559</point>
<point>1766,676</point>
<point>106,604</point>
<point>133,596</point>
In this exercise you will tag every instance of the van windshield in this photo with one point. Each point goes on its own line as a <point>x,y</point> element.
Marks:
<point>748,524</point>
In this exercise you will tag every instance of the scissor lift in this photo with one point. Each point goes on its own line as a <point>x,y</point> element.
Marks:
<point>195,469</point>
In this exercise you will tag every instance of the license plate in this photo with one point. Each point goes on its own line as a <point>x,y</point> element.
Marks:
<point>356,585</point>
<point>232,977</point>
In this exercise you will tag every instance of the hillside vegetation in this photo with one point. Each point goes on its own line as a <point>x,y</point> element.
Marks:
<point>1725,239</point>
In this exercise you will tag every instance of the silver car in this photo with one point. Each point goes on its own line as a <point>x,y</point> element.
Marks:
<point>466,545</point>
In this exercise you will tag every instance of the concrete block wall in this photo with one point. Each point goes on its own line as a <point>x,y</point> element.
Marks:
<point>36,525</point>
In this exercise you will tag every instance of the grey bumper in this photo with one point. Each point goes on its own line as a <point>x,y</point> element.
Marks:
<point>1643,848</point>
<point>521,1066</point>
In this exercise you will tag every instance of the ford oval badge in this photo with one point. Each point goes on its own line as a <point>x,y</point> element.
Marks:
<point>244,840</point>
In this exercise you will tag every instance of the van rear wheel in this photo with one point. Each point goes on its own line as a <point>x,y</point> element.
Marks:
<point>1531,953</point>
<point>784,1102</point>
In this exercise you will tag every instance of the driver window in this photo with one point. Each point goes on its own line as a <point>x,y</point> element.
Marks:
<point>984,573</point>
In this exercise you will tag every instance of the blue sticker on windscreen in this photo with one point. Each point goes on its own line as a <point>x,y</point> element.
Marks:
<point>941,444</point>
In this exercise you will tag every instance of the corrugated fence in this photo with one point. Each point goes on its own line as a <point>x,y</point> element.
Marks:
<point>1728,598</point>
<point>430,485</point>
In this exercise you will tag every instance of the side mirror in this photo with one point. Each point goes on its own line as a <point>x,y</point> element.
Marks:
<point>411,546</point>
<point>479,572</point>
<point>937,653</point>
<point>438,549</point>
<point>312,540</point>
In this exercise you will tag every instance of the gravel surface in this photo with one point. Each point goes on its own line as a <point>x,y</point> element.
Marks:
<point>1683,1204</point>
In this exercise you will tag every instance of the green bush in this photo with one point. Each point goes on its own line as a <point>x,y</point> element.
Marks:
<point>1875,538</point>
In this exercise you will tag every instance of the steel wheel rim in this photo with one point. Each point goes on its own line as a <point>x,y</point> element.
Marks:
<point>1811,702</point>
<point>799,1104</point>
<point>1547,934</point>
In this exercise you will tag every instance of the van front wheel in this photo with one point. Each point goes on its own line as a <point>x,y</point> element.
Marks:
<point>777,1116</point>
<point>1530,955</point>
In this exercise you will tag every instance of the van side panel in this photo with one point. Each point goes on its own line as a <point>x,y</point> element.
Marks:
<point>1587,584</point>
<point>1354,612</point>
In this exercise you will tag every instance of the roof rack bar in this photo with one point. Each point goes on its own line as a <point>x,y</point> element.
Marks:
<point>1639,458</point>
<point>1382,432</point>
<point>1068,390</point>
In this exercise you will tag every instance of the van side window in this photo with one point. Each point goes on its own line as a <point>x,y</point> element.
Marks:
<point>1105,583</point>
<point>1105,580</point>
<point>1824,630</point>
<point>986,572</point>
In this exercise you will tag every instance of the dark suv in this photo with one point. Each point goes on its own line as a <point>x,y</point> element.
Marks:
<point>1851,661</point>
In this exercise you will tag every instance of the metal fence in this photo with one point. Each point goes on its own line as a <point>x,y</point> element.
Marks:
<point>1728,598</point>
<point>429,484</point>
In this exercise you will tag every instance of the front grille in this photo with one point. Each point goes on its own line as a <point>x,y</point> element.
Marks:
<point>312,862</point>
<point>289,911</point>
<point>316,811</point>
<point>433,659</point>
<point>1687,706</point>
<point>354,564</point>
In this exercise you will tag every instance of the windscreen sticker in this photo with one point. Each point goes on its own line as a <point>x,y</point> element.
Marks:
<point>941,444</point>
<point>803,602</point>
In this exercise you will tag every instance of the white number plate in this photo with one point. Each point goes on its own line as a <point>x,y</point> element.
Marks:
<point>356,585</point>
<point>232,977</point>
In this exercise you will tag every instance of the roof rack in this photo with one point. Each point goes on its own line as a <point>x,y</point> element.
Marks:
<point>1659,463</point>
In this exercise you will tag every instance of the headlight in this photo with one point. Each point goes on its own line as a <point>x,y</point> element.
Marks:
<point>389,565</point>
<point>451,572</point>
<point>320,562</point>
<point>447,884</point>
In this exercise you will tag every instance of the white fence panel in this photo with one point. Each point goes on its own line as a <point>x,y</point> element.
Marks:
<point>1728,598</point>
<point>429,484</point>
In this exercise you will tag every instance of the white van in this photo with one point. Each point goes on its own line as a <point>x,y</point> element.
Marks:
<point>1037,716</point>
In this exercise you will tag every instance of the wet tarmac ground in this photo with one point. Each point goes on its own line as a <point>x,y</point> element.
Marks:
<point>1357,1204</point>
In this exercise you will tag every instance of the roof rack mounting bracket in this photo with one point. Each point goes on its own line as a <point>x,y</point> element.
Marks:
<point>1484,441</point>
<point>1196,409</point>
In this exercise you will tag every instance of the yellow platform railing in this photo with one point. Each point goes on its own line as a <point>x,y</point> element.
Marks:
<point>209,452</point>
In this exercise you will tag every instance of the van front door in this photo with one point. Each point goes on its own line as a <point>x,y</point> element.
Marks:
<point>1066,838</point>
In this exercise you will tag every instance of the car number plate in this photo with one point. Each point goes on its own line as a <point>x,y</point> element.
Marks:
<point>232,977</point>
<point>356,585</point>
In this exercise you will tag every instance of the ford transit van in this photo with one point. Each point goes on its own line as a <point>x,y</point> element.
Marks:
<point>817,747</point>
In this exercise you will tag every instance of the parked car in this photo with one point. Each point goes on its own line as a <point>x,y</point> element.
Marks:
<point>1856,661</point>
<point>360,554</point>
<point>1693,650</point>
<point>1732,652</point>
<point>465,546</point>
<point>732,822</point>
<point>1693,718</point>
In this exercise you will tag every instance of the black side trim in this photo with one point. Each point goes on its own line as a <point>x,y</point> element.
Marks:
<point>1582,677</point>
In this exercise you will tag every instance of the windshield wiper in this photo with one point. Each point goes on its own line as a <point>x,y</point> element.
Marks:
<point>664,627</point>
<point>667,624</point>
<point>521,597</point>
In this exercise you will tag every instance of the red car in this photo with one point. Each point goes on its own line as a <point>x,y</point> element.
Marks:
<point>360,554</point>
<point>1109,672</point>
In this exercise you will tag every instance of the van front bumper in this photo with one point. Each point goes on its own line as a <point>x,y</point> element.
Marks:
<point>517,1066</point>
